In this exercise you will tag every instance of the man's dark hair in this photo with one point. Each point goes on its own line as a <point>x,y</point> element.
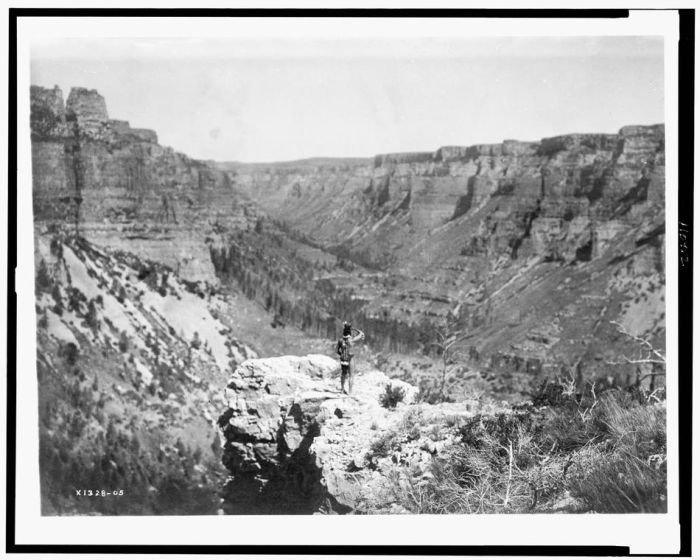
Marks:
<point>347,329</point>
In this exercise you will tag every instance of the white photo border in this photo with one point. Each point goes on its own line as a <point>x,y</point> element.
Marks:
<point>648,533</point>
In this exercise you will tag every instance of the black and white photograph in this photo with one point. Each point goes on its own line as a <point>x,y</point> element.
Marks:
<point>297,272</point>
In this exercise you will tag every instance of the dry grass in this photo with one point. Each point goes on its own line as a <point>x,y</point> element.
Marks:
<point>602,455</point>
<point>627,472</point>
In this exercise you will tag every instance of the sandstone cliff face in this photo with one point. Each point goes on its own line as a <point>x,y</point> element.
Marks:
<point>384,207</point>
<point>123,188</point>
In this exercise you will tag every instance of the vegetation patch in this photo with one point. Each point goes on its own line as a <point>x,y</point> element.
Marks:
<point>391,396</point>
<point>603,454</point>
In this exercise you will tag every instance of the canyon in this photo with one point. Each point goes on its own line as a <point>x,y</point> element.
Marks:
<point>528,248</point>
<point>484,268</point>
<point>533,247</point>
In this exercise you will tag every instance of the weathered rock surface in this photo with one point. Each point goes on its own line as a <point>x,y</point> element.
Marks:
<point>378,209</point>
<point>122,188</point>
<point>294,444</point>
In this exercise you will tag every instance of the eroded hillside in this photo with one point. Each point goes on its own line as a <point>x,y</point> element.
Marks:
<point>528,249</point>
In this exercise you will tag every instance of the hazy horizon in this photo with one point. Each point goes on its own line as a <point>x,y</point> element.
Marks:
<point>255,101</point>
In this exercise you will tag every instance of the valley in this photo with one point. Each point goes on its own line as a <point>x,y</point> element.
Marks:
<point>478,273</point>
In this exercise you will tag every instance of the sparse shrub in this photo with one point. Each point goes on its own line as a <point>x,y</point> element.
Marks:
<point>70,353</point>
<point>381,362</point>
<point>180,447</point>
<point>121,294</point>
<point>56,295</point>
<point>123,342</point>
<point>608,453</point>
<point>411,419</point>
<point>640,428</point>
<point>392,395</point>
<point>431,392</point>
<point>434,432</point>
<point>56,248</point>
<point>99,416</point>
<point>428,392</point>
<point>383,445</point>
<point>75,298</point>
<point>196,342</point>
<point>619,483</point>
<point>43,322</point>
<point>163,288</point>
<point>43,279</point>
<point>91,315</point>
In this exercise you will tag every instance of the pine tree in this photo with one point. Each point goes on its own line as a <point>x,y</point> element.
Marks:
<point>196,342</point>
<point>91,316</point>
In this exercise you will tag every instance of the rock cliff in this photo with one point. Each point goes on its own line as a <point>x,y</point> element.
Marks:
<point>527,249</point>
<point>121,188</point>
<point>557,194</point>
<point>530,248</point>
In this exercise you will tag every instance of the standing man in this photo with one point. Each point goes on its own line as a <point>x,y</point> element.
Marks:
<point>343,349</point>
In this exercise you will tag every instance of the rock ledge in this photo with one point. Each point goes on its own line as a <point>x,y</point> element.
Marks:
<point>294,444</point>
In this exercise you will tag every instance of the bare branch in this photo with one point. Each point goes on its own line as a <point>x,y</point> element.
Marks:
<point>644,343</point>
<point>652,374</point>
<point>626,360</point>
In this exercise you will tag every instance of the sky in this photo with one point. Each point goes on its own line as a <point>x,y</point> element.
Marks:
<point>259,100</point>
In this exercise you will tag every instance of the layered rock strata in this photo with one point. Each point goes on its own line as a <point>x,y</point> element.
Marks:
<point>121,188</point>
<point>532,247</point>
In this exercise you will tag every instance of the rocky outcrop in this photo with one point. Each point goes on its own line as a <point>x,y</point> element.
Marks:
<point>121,188</point>
<point>294,444</point>
<point>87,108</point>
